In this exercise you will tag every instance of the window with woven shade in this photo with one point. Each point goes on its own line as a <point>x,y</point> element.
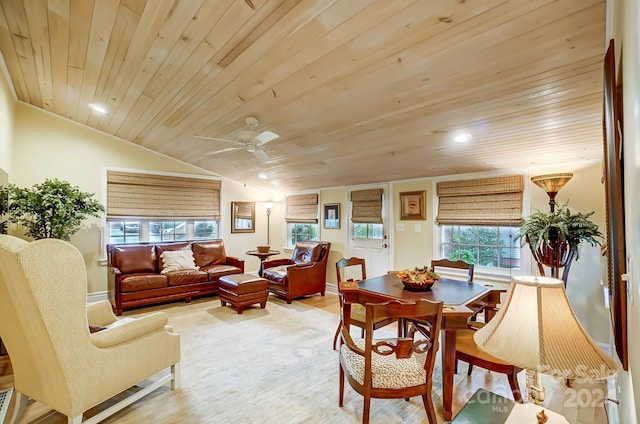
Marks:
<point>302,218</point>
<point>366,206</point>
<point>302,208</point>
<point>485,201</point>
<point>152,207</point>
<point>479,220</point>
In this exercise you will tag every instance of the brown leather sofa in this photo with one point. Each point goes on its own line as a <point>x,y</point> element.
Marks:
<point>135,273</point>
<point>304,274</point>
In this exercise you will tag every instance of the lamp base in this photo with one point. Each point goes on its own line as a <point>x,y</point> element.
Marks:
<point>535,390</point>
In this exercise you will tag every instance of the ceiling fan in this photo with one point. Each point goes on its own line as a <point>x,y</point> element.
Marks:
<point>252,141</point>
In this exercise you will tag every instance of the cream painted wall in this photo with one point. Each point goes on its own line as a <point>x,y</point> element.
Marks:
<point>7,106</point>
<point>583,193</point>
<point>336,236</point>
<point>412,248</point>
<point>47,146</point>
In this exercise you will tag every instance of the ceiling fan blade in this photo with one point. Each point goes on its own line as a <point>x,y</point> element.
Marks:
<point>265,137</point>
<point>229,149</point>
<point>261,155</point>
<point>239,143</point>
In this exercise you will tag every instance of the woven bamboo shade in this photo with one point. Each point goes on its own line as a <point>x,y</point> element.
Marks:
<point>366,206</point>
<point>149,196</point>
<point>486,201</point>
<point>302,208</point>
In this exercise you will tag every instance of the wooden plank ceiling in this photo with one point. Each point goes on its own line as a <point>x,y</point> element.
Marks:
<point>359,91</point>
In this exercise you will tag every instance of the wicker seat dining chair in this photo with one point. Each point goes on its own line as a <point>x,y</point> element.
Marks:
<point>346,269</point>
<point>391,368</point>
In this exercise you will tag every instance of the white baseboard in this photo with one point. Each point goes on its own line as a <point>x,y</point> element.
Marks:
<point>97,296</point>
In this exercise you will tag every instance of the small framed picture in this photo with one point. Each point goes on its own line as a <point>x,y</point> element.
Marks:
<point>413,205</point>
<point>332,215</point>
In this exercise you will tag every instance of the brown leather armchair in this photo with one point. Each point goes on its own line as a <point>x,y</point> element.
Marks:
<point>304,274</point>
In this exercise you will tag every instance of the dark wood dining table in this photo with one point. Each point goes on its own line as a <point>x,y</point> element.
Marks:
<point>460,301</point>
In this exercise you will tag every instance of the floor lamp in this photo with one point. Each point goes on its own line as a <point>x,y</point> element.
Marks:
<point>536,329</point>
<point>551,184</point>
<point>268,206</point>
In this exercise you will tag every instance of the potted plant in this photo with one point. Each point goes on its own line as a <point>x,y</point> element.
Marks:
<point>53,209</point>
<point>4,208</point>
<point>554,237</point>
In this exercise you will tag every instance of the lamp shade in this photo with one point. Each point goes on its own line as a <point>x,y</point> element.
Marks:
<point>536,329</point>
<point>551,183</point>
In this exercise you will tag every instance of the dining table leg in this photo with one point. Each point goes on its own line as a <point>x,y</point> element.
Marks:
<point>448,370</point>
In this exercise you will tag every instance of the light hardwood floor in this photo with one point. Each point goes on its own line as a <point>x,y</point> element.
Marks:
<point>583,403</point>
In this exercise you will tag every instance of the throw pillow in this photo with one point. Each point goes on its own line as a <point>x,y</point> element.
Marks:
<point>177,260</point>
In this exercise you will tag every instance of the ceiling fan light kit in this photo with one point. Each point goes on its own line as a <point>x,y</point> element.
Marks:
<point>248,140</point>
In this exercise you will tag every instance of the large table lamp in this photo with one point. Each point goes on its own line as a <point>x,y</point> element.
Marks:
<point>536,329</point>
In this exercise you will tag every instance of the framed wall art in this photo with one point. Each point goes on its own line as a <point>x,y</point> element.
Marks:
<point>332,215</point>
<point>243,217</point>
<point>413,205</point>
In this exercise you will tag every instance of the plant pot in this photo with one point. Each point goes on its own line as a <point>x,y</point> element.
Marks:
<point>554,254</point>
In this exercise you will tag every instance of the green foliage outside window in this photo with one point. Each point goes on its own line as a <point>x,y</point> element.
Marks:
<point>485,246</point>
<point>302,232</point>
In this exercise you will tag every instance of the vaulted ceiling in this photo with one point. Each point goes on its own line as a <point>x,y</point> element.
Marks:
<point>358,91</point>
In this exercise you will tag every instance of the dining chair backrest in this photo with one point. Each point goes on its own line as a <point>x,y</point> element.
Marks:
<point>446,263</point>
<point>344,267</point>
<point>392,367</point>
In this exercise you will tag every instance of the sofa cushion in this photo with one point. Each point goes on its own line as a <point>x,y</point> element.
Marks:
<point>209,253</point>
<point>306,252</point>
<point>217,271</point>
<point>137,282</point>
<point>277,274</point>
<point>134,259</point>
<point>177,260</point>
<point>178,278</point>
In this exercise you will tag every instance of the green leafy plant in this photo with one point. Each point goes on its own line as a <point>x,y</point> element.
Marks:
<point>542,228</point>
<point>4,208</point>
<point>52,209</point>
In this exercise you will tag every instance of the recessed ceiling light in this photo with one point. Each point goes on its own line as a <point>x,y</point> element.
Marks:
<point>98,108</point>
<point>462,138</point>
<point>263,176</point>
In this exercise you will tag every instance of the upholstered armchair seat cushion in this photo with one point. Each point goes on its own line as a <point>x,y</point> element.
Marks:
<point>387,371</point>
<point>137,282</point>
<point>217,271</point>
<point>177,278</point>
<point>276,274</point>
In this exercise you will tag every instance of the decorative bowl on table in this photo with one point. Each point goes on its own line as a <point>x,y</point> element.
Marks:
<point>418,279</point>
<point>264,249</point>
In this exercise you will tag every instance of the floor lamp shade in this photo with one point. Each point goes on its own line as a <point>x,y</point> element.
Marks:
<point>536,329</point>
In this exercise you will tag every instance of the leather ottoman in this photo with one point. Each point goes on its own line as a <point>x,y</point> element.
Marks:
<point>242,290</point>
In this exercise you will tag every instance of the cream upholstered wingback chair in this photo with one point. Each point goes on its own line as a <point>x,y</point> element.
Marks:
<point>44,324</point>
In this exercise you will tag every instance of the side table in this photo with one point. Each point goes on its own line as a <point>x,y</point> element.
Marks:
<point>488,407</point>
<point>262,256</point>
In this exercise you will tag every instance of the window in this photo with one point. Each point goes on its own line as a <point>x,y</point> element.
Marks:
<point>366,214</point>
<point>301,232</point>
<point>489,246</point>
<point>302,218</point>
<point>368,231</point>
<point>159,231</point>
<point>165,207</point>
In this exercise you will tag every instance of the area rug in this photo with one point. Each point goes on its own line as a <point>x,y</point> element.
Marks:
<point>273,365</point>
